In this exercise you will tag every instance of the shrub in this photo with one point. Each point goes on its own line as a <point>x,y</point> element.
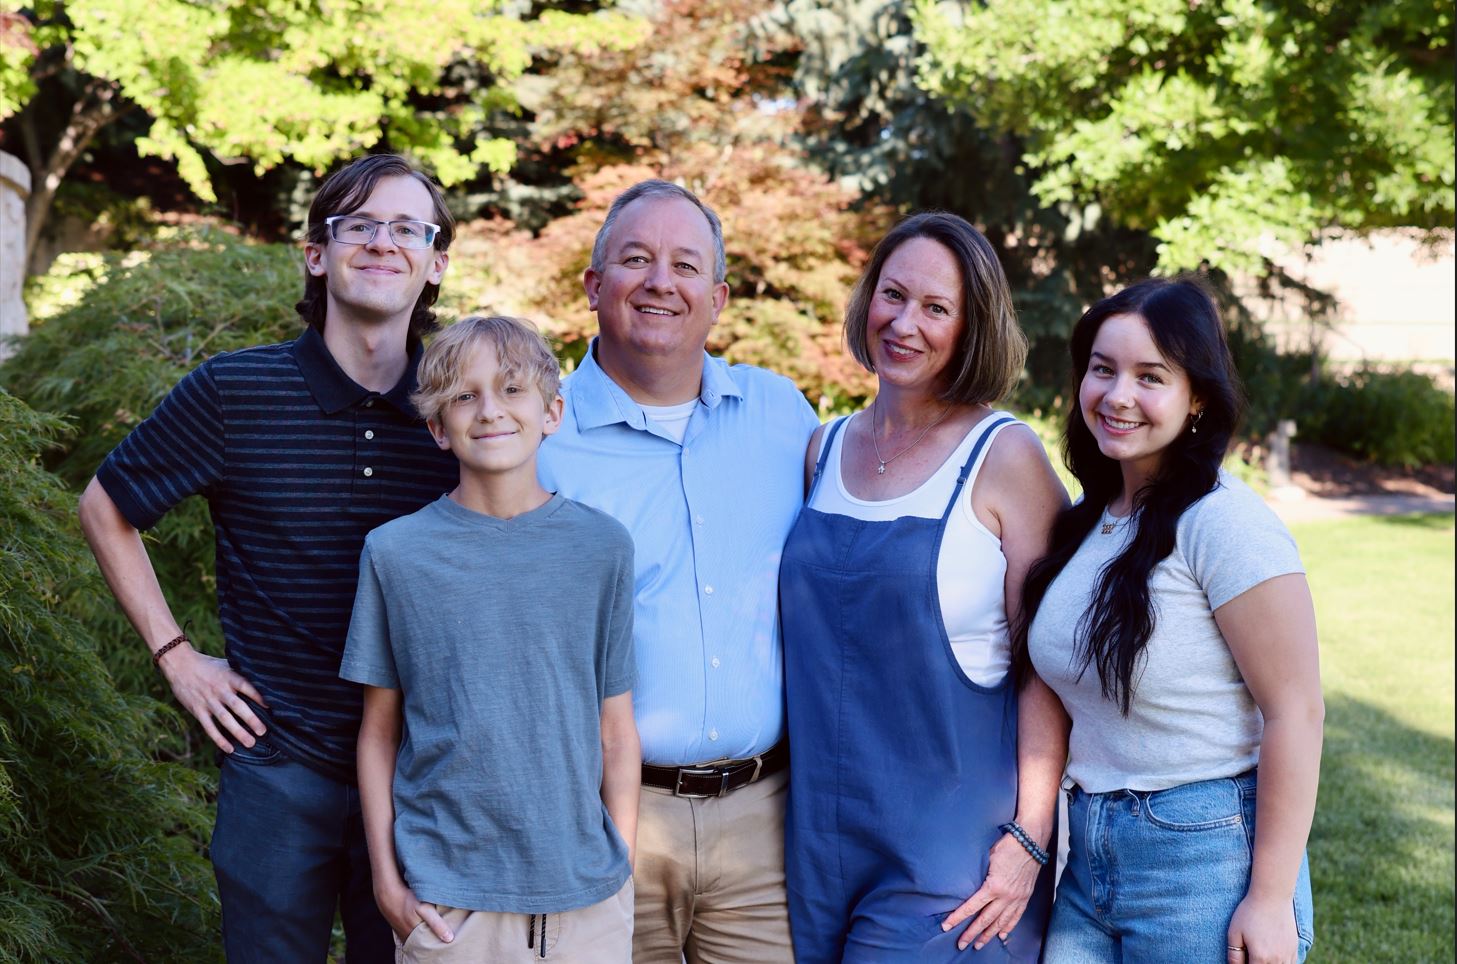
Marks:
<point>1389,417</point>
<point>99,843</point>
<point>113,334</point>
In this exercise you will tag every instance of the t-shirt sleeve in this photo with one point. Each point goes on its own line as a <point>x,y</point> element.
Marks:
<point>368,657</point>
<point>175,452</point>
<point>1233,542</point>
<point>621,663</point>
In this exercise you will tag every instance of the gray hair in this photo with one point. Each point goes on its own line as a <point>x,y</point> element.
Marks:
<point>660,189</point>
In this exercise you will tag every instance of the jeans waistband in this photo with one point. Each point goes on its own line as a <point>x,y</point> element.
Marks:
<point>1073,791</point>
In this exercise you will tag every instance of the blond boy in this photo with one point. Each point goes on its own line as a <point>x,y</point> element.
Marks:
<point>499,763</point>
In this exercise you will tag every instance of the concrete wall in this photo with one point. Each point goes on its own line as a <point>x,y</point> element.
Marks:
<point>14,189</point>
<point>1396,298</point>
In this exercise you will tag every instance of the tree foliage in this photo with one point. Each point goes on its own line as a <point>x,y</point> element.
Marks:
<point>704,100</point>
<point>1218,126</point>
<point>267,81</point>
<point>871,126</point>
<point>99,842</point>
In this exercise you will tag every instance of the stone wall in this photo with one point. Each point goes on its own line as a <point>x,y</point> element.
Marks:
<point>14,189</point>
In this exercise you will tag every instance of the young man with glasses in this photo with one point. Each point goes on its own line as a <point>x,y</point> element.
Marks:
<point>300,449</point>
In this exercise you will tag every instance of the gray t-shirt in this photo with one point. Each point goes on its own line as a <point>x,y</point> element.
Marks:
<point>504,636</point>
<point>1192,716</point>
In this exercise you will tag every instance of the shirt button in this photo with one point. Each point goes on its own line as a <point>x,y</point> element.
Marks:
<point>369,403</point>
<point>713,734</point>
<point>708,590</point>
<point>369,433</point>
<point>698,520</point>
<point>368,471</point>
<point>714,662</point>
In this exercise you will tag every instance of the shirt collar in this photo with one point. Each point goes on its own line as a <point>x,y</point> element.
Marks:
<point>333,390</point>
<point>597,400</point>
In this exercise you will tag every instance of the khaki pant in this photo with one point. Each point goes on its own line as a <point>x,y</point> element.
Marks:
<point>599,934</point>
<point>710,877</point>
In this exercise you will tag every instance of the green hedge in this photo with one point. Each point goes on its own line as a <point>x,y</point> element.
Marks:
<point>1390,417</point>
<point>113,334</point>
<point>100,843</point>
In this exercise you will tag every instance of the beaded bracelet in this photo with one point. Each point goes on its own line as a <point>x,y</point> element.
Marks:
<point>167,647</point>
<point>1025,839</point>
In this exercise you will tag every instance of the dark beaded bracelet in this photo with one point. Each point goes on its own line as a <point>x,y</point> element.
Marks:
<point>167,647</point>
<point>1025,839</point>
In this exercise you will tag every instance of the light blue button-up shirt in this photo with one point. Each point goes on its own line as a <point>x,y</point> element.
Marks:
<point>708,519</point>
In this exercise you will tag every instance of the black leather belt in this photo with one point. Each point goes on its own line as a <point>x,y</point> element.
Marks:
<point>714,780</point>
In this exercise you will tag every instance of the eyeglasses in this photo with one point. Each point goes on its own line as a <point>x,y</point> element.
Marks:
<point>352,229</point>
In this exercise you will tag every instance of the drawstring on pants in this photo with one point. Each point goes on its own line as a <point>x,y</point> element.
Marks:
<point>531,940</point>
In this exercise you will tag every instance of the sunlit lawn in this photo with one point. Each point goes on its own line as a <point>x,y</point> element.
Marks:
<point>1381,851</point>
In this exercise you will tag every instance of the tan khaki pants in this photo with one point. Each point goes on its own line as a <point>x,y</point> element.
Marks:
<point>599,934</point>
<point>710,877</point>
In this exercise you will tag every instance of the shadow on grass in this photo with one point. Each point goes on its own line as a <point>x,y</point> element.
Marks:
<point>1381,850</point>
<point>1436,521</point>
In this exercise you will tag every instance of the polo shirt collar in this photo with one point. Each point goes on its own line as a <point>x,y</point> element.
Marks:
<point>597,400</point>
<point>333,390</point>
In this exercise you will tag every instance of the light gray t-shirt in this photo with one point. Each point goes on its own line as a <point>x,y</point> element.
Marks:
<point>504,636</point>
<point>1192,716</point>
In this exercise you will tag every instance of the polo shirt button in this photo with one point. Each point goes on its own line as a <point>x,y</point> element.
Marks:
<point>713,734</point>
<point>708,590</point>
<point>368,471</point>
<point>714,662</point>
<point>369,433</point>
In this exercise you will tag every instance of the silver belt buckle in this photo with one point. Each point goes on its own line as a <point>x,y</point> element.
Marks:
<point>678,790</point>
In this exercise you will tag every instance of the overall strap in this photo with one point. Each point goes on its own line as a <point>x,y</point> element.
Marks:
<point>829,443</point>
<point>993,423</point>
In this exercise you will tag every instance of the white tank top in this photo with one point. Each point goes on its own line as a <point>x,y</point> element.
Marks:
<point>970,571</point>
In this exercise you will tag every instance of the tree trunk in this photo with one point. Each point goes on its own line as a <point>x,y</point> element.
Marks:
<point>93,110</point>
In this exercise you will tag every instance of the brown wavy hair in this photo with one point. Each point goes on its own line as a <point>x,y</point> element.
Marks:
<point>345,192</point>
<point>989,359</point>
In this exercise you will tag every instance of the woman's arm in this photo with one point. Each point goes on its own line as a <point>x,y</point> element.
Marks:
<point>811,456</point>
<point>1018,497</point>
<point>1270,630</point>
<point>621,768</point>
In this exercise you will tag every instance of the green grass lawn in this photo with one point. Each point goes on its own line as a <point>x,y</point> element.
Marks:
<point>1381,850</point>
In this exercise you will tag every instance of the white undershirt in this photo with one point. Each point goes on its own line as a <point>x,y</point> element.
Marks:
<point>970,571</point>
<point>673,419</point>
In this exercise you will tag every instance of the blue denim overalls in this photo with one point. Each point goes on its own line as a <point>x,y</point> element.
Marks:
<point>901,768</point>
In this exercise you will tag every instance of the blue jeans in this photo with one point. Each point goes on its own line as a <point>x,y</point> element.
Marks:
<point>288,849</point>
<point>1156,876</point>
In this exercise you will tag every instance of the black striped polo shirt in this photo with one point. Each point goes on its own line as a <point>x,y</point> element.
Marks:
<point>297,463</point>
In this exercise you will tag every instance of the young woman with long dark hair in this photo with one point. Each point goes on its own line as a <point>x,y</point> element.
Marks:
<point>1173,619</point>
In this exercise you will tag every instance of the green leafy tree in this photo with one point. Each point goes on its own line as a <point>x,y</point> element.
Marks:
<point>265,82</point>
<point>1220,126</point>
<point>706,100</point>
<point>872,126</point>
<point>99,842</point>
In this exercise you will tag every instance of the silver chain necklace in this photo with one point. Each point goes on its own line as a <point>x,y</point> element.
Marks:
<point>875,430</point>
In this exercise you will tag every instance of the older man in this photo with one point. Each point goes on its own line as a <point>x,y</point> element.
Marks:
<point>703,462</point>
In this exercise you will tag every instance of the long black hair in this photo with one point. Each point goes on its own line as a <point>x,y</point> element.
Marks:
<point>1112,633</point>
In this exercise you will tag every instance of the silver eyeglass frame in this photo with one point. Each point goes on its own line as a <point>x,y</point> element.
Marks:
<point>389,226</point>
